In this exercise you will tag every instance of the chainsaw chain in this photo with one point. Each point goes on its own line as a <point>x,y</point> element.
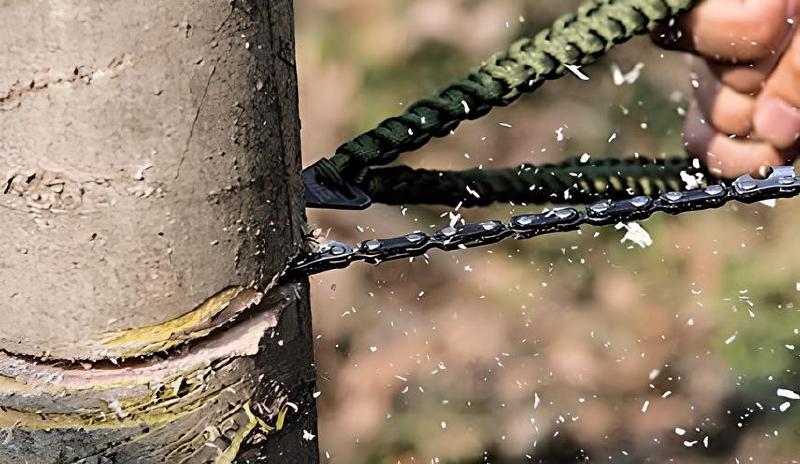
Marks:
<point>782,182</point>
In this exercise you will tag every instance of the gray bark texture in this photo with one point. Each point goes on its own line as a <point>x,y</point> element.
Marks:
<point>150,195</point>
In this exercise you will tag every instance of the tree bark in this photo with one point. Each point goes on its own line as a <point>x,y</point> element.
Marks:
<point>150,195</point>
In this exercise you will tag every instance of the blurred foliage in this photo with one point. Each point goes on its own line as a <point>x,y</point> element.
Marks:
<point>556,349</point>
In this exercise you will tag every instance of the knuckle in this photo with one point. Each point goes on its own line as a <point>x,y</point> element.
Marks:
<point>733,114</point>
<point>764,23</point>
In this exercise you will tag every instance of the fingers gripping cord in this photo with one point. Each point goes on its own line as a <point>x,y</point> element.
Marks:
<point>576,39</point>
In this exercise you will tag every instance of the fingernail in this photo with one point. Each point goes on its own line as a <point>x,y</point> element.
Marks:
<point>777,122</point>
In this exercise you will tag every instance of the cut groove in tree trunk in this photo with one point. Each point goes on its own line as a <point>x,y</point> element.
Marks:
<point>150,193</point>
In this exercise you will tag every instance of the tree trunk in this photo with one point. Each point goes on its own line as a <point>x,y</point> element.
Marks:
<point>149,196</point>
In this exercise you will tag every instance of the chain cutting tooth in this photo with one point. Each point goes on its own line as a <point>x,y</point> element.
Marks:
<point>613,212</point>
<point>332,255</point>
<point>379,250</point>
<point>560,220</point>
<point>782,182</point>
<point>471,235</point>
<point>710,197</point>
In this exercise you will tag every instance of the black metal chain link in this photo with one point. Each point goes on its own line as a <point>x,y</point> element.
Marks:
<point>782,182</point>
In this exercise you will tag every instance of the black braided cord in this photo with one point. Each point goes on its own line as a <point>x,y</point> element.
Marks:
<point>569,182</point>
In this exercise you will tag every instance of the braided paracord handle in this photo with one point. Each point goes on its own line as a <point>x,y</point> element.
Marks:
<point>575,39</point>
<point>568,182</point>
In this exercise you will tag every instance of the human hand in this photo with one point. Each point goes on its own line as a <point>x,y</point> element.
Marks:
<point>746,110</point>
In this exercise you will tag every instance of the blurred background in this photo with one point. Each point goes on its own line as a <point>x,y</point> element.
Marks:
<point>565,348</point>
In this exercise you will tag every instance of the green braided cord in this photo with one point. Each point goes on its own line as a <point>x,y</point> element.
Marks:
<point>583,183</point>
<point>579,38</point>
